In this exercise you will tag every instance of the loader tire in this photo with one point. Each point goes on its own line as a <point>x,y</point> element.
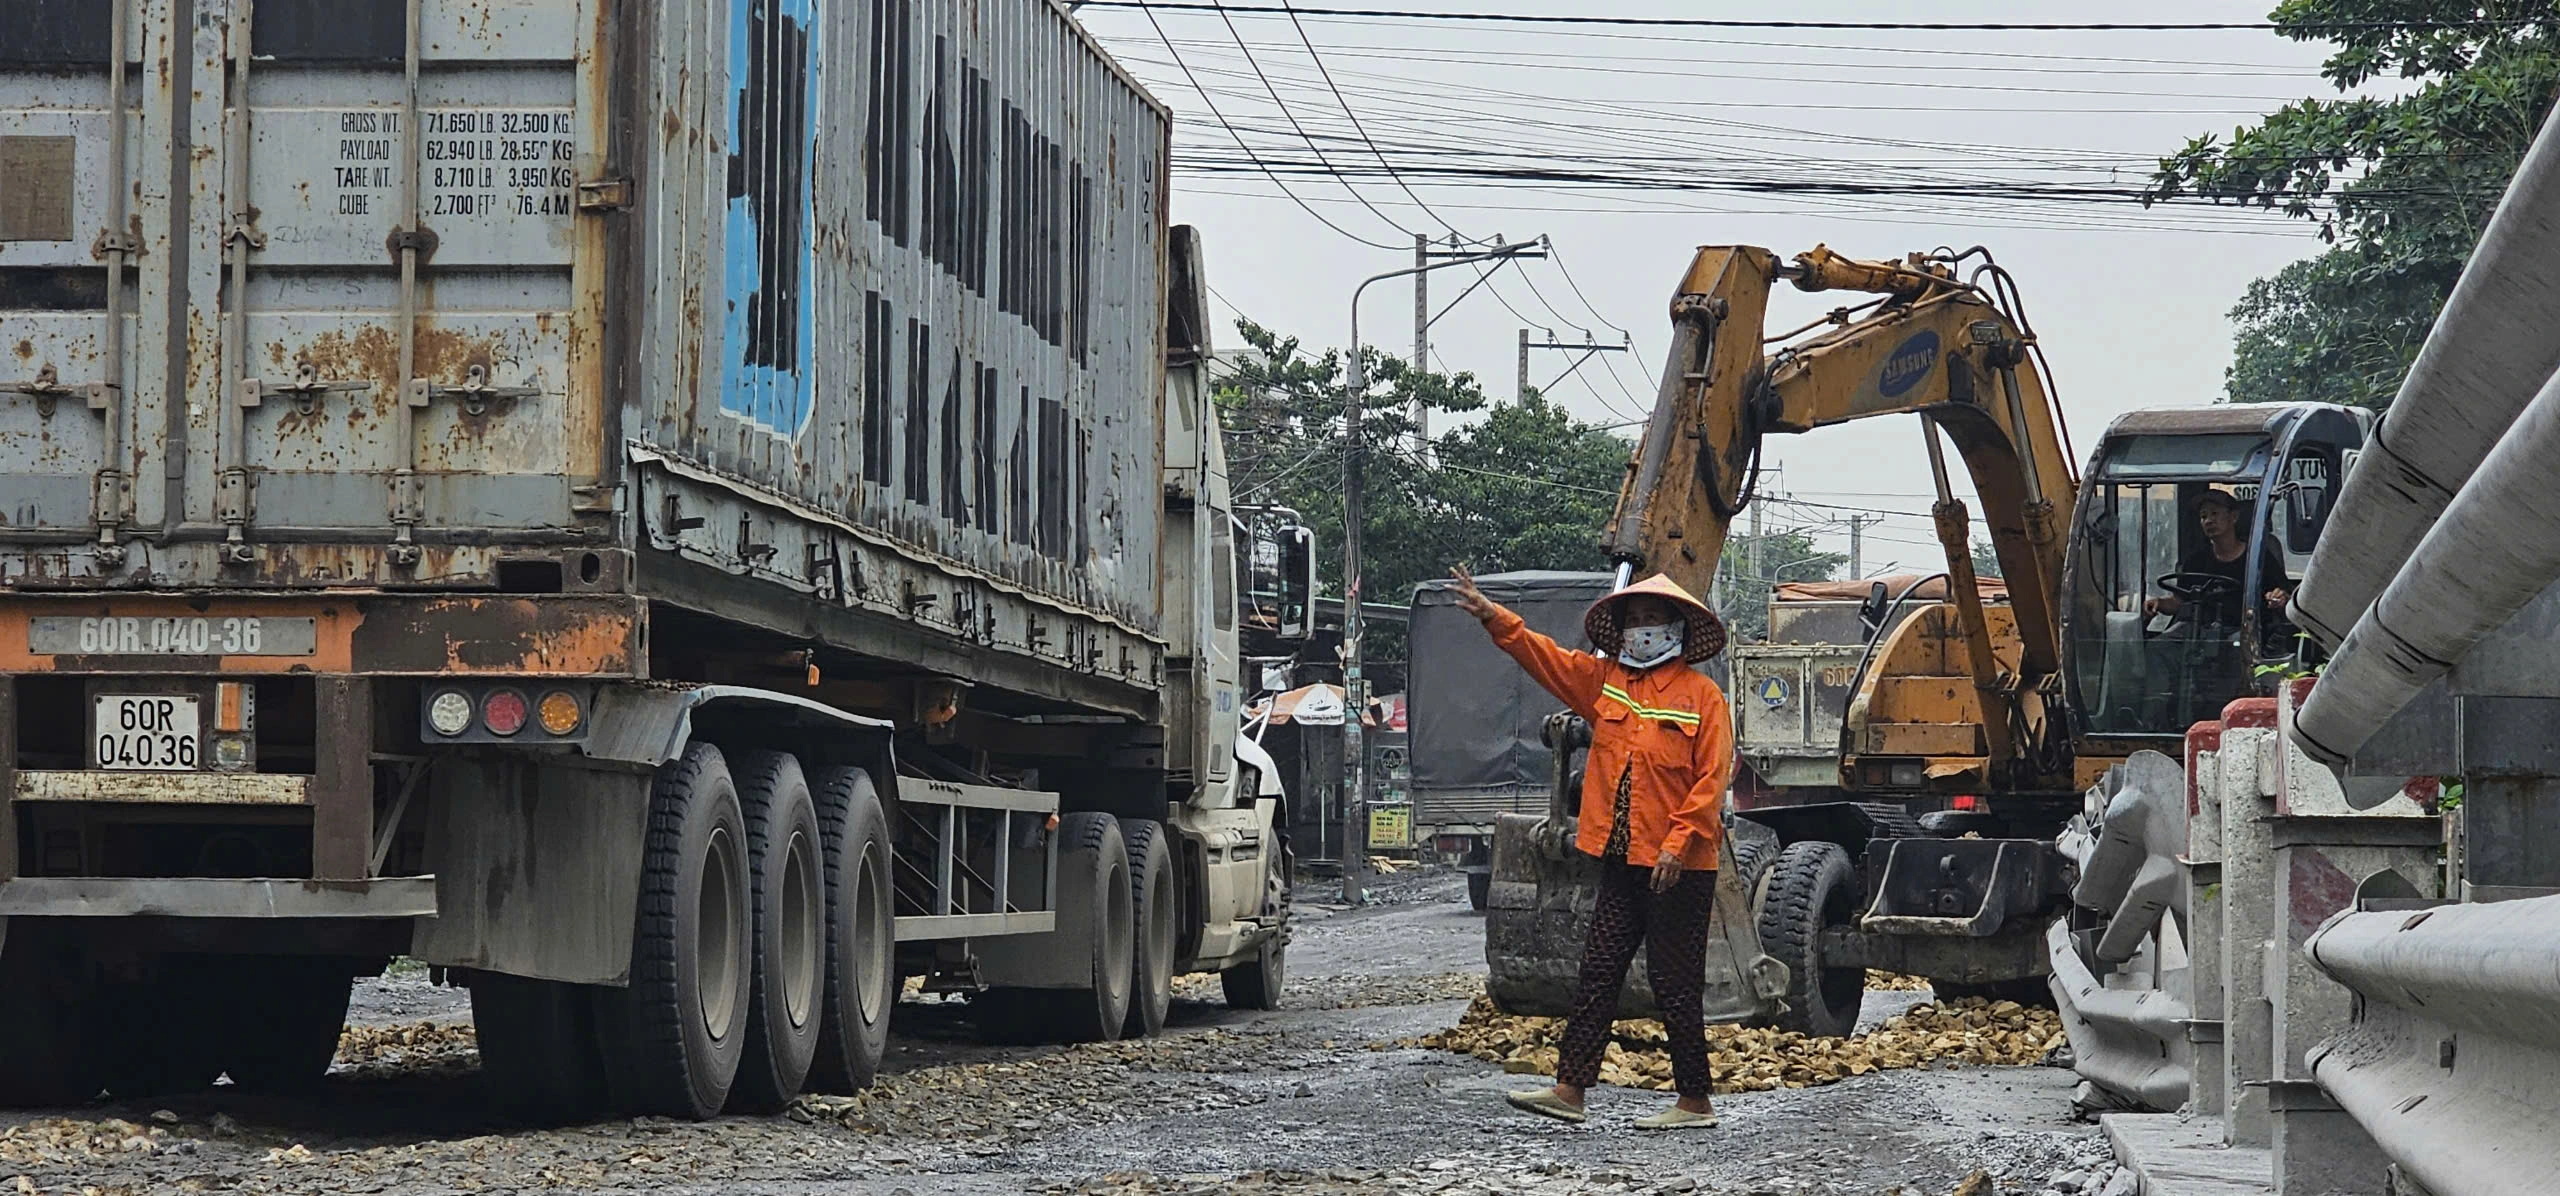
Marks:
<point>46,1012</point>
<point>539,1060</point>
<point>1156,908</point>
<point>787,980</point>
<point>861,964</point>
<point>1811,886</point>
<point>674,1037</point>
<point>1257,985</point>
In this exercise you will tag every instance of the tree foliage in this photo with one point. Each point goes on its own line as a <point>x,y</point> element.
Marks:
<point>1525,487</point>
<point>2400,188</point>
<point>1785,555</point>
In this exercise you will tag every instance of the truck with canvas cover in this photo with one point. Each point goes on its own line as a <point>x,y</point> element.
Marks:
<point>678,516</point>
<point>2140,597</point>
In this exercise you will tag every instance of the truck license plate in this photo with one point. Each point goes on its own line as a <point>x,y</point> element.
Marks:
<point>185,635</point>
<point>148,733</point>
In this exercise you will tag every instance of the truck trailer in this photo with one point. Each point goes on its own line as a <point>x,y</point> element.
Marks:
<point>681,517</point>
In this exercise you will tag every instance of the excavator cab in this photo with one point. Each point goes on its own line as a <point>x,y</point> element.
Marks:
<point>2192,529</point>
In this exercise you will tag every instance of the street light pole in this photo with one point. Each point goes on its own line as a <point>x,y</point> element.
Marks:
<point>1355,697</point>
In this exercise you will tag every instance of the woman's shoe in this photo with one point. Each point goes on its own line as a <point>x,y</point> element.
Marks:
<point>1677,1118</point>
<point>1545,1103</point>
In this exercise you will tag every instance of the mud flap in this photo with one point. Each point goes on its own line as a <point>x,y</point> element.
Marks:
<point>1538,912</point>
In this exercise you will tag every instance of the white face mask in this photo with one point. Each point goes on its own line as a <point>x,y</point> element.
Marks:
<point>1645,647</point>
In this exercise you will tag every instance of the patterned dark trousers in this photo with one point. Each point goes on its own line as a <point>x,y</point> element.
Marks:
<point>1672,927</point>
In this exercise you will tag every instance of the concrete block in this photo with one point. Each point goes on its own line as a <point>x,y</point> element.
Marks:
<point>2177,1155</point>
<point>2320,1150</point>
<point>2248,911</point>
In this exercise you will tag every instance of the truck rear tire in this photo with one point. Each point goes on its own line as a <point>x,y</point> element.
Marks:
<point>539,1058</point>
<point>287,1014</point>
<point>1093,875</point>
<point>1479,888</point>
<point>1257,985</point>
<point>46,1012</point>
<point>1811,887</point>
<point>861,969</point>
<point>672,1039</point>
<point>788,978</point>
<point>1156,907</point>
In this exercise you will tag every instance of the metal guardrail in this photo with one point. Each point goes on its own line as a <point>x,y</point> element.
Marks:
<point>2123,984</point>
<point>2451,1060</point>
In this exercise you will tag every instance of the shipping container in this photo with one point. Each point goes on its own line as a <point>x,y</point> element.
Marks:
<point>427,427</point>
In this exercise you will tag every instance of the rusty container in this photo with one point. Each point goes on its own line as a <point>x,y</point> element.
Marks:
<point>832,314</point>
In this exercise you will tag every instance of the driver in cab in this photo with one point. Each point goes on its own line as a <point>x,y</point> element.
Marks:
<point>2223,556</point>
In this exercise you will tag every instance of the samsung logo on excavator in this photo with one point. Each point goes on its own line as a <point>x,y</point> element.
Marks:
<point>1911,361</point>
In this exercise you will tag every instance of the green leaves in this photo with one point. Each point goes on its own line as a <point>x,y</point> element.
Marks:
<point>2402,186</point>
<point>1526,487</point>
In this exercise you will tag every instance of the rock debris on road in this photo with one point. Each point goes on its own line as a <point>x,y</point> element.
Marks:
<point>1319,1096</point>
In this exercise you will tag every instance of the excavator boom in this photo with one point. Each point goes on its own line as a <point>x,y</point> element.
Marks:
<point>1931,346</point>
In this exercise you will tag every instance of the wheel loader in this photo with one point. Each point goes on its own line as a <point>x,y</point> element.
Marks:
<point>1968,728</point>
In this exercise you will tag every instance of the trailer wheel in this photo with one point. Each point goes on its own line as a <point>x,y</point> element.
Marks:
<point>673,1038</point>
<point>1811,886</point>
<point>1152,896</point>
<point>45,1016</point>
<point>539,1059</point>
<point>286,1016</point>
<point>861,971</point>
<point>168,1039</point>
<point>1257,985</point>
<point>788,985</point>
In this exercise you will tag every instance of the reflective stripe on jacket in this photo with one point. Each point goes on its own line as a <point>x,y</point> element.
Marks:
<point>1666,730</point>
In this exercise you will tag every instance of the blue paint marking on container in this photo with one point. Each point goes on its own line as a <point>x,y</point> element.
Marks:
<point>768,330</point>
<point>1911,361</point>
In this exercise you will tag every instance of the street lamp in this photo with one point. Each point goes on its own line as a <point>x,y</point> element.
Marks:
<point>1355,699</point>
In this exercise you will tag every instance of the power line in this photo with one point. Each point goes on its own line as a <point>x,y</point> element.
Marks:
<point>1721,23</point>
<point>1292,117</point>
<point>1354,117</point>
<point>1240,143</point>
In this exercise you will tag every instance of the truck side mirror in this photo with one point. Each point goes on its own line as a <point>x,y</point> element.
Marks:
<point>1872,611</point>
<point>1297,582</point>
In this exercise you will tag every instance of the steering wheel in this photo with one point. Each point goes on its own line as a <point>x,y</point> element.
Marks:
<point>2198,587</point>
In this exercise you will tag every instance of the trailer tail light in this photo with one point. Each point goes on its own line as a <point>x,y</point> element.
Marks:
<point>559,712</point>
<point>231,706</point>
<point>503,712</point>
<point>449,713</point>
<point>1965,801</point>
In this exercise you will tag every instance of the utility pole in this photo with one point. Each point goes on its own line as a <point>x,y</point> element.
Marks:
<point>1587,348</point>
<point>1756,584</point>
<point>1421,333</point>
<point>1355,694</point>
<point>1857,559</point>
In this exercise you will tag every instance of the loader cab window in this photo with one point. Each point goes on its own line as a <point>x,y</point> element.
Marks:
<point>2172,563</point>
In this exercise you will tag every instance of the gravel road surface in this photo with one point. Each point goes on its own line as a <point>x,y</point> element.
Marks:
<point>1309,1099</point>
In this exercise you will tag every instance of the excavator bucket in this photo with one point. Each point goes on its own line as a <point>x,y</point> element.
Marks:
<point>1538,912</point>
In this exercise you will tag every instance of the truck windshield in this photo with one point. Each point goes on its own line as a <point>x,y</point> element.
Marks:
<point>2160,619</point>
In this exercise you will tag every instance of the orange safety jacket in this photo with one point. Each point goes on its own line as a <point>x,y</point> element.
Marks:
<point>1661,748</point>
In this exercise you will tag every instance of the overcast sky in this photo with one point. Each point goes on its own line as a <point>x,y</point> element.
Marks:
<point>2130,304</point>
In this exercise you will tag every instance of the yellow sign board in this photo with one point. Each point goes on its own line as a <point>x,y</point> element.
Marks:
<point>1390,826</point>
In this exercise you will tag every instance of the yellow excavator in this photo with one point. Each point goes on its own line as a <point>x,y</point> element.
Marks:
<point>1971,728</point>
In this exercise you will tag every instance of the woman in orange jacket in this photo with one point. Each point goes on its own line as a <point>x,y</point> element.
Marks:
<point>1652,812</point>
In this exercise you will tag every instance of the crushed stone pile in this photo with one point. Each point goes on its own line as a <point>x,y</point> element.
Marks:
<point>1893,982</point>
<point>1969,1031</point>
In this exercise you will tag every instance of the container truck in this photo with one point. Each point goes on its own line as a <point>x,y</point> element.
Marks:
<point>679,516</point>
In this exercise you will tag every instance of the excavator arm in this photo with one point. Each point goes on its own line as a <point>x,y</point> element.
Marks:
<point>1932,346</point>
